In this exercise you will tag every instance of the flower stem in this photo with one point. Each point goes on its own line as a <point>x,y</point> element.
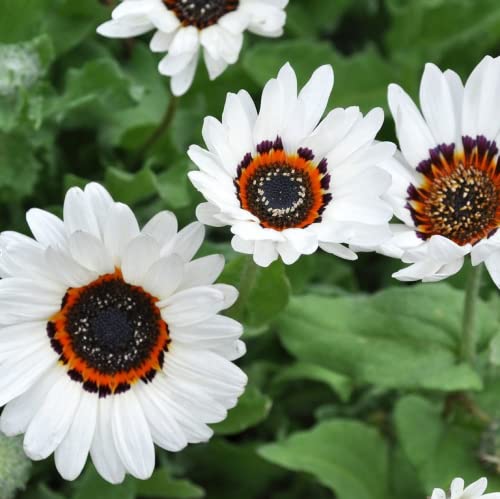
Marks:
<point>468,347</point>
<point>158,132</point>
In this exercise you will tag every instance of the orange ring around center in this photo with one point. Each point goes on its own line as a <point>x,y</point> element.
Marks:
<point>79,368</point>
<point>279,157</point>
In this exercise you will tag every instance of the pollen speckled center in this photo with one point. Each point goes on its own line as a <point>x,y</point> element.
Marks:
<point>109,334</point>
<point>459,197</point>
<point>200,13</point>
<point>462,205</point>
<point>283,190</point>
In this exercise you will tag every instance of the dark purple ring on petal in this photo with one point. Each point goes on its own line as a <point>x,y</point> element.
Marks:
<point>459,196</point>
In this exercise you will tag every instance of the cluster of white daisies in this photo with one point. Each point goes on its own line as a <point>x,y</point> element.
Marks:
<point>112,338</point>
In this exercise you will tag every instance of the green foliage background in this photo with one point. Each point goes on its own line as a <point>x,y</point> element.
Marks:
<point>356,388</point>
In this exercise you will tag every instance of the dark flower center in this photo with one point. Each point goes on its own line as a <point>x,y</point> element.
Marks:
<point>283,190</point>
<point>459,196</point>
<point>463,204</point>
<point>109,334</point>
<point>200,13</point>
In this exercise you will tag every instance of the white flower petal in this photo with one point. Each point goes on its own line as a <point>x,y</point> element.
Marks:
<point>164,19</point>
<point>78,213</point>
<point>46,227</point>
<point>438,106</point>
<point>103,451</point>
<point>24,299</point>
<point>66,270</point>
<point>21,372</point>
<point>206,214</point>
<point>202,271</point>
<point>121,29</point>
<point>45,432</point>
<point>163,227</point>
<point>138,257</point>
<point>164,277</point>
<point>71,455</point>
<point>338,250</point>
<point>165,430</point>
<point>457,486</point>
<point>215,66</point>
<point>18,413</point>
<point>90,252</point>
<point>131,435</point>
<point>475,489</point>
<point>287,252</point>
<point>192,305</point>
<point>187,241</point>
<point>121,227</point>
<point>311,104</point>
<point>265,253</point>
<point>481,99</point>
<point>160,42</point>
<point>413,133</point>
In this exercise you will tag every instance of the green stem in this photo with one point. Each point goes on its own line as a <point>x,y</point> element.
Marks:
<point>468,347</point>
<point>248,276</point>
<point>159,131</point>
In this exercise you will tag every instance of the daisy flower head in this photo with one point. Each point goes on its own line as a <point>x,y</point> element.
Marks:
<point>473,491</point>
<point>184,27</point>
<point>446,182</point>
<point>287,182</point>
<point>111,338</point>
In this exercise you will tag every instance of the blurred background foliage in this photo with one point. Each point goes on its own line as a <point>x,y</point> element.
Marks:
<point>356,387</point>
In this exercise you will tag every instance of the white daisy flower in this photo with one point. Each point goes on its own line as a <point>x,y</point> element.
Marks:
<point>110,337</point>
<point>183,27</point>
<point>473,491</point>
<point>446,182</point>
<point>286,184</point>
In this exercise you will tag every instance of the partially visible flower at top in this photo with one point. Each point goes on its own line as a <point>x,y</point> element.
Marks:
<point>185,26</point>
<point>111,338</point>
<point>473,491</point>
<point>287,183</point>
<point>446,182</point>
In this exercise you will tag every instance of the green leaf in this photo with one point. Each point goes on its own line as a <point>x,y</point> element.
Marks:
<point>232,470</point>
<point>411,414</point>
<point>418,31</point>
<point>360,80</point>
<point>162,485</point>
<point>173,187</point>
<point>495,350</point>
<point>404,479</point>
<point>339,383</point>
<point>439,449</point>
<point>252,408</point>
<point>398,338</point>
<point>71,22</point>
<point>314,16</point>
<point>92,485</point>
<point>264,292</point>
<point>319,273</point>
<point>348,457</point>
<point>125,124</point>
<point>20,20</point>
<point>100,85</point>
<point>43,492</point>
<point>130,188</point>
<point>19,168</point>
